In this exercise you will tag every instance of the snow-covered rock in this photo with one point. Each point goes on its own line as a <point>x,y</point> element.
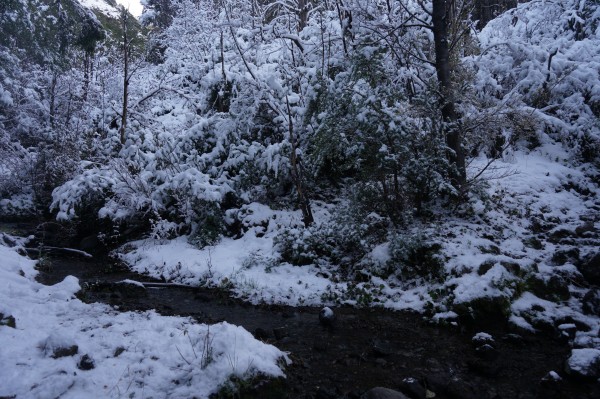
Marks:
<point>584,362</point>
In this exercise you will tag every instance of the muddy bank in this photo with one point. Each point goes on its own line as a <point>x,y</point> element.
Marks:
<point>363,349</point>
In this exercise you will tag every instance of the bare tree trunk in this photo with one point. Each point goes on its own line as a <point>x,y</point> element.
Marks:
<point>53,99</point>
<point>307,216</point>
<point>441,21</point>
<point>87,72</point>
<point>125,77</point>
<point>302,14</point>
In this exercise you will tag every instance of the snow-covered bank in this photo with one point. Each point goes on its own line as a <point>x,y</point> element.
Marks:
<point>251,266</point>
<point>62,347</point>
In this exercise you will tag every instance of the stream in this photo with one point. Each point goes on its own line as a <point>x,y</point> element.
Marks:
<point>365,348</point>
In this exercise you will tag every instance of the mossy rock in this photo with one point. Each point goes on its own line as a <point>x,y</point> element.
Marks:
<point>563,256</point>
<point>490,249</point>
<point>554,289</point>
<point>8,321</point>
<point>65,351</point>
<point>485,266</point>
<point>484,311</point>
<point>533,242</point>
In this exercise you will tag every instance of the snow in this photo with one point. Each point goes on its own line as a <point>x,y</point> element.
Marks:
<point>482,337</point>
<point>553,375</point>
<point>244,264</point>
<point>101,6</point>
<point>139,354</point>
<point>326,312</point>
<point>133,6</point>
<point>585,361</point>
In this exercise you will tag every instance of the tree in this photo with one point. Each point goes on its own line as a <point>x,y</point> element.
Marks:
<point>126,75</point>
<point>441,15</point>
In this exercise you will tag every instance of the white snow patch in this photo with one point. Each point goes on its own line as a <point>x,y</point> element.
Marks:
<point>101,6</point>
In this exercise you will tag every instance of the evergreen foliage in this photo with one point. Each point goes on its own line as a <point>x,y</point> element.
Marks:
<point>241,101</point>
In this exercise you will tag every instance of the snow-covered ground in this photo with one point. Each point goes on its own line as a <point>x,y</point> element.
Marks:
<point>54,345</point>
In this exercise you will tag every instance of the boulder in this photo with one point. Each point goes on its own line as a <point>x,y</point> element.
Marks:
<point>590,268</point>
<point>563,256</point>
<point>484,311</point>
<point>57,345</point>
<point>413,388</point>
<point>486,352</point>
<point>555,288</point>
<point>327,317</point>
<point>86,363</point>
<point>591,302</point>
<point>90,244</point>
<point>584,363</point>
<point>381,348</point>
<point>280,333</point>
<point>65,351</point>
<point>261,334</point>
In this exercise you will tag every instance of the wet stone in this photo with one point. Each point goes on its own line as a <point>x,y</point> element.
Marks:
<point>118,351</point>
<point>280,332</point>
<point>86,363</point>
<point>320,346</point>
<point>327,317</point>
<point>584,229</point>
<point>413,388</point>
<point>288,315</point>
<point>514,339</point>
<point>381,349</point>
<point>486,352</point>
<point>326,393</point>
<point>262,334</point>
<point>591,302</point>
<point>590,268</point>
<point>459,389</point>
<point>483,367</point>
<point>563,256</point>
<point>382,393</point>
<point>66,351</point>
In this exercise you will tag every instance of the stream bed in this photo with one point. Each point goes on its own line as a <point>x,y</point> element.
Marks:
<point>363,349</point>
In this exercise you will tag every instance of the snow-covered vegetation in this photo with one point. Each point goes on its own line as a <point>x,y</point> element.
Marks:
<point>328,152</point>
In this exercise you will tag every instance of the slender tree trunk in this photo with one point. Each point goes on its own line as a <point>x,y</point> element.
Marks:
<point>53,99</point>
<point>307,216</point>
<point>440,19</point>
<point>302,14</point>
<point>125,78</point>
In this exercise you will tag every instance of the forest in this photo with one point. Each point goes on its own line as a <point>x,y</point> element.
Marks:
<point>437,157</point>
